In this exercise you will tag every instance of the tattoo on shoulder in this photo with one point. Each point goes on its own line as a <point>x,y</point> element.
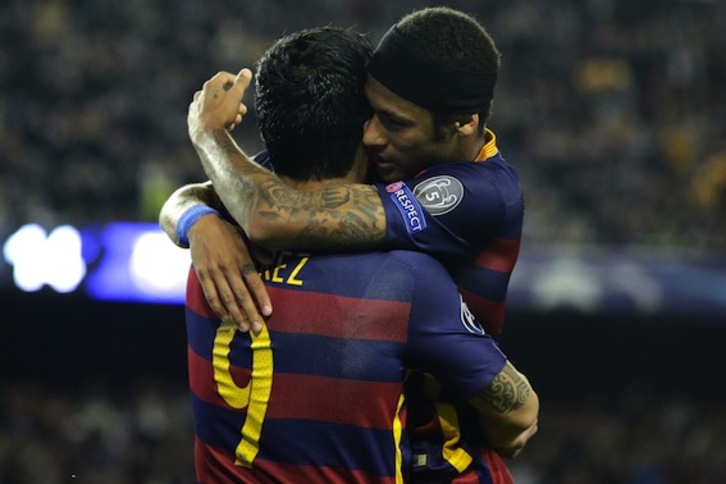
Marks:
<point>507,392</point>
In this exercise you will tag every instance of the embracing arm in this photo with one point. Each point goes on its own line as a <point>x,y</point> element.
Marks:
<point>271,213</point>
<point>508,410</point>
<point>184,198</point>
<point>220,256</point>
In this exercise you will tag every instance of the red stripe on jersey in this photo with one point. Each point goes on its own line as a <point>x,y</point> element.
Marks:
<point>490,313</point>
<point>196,300</point>
<point>213,465</point>
<point>497,468</point>
<point>338,316</point>
<point>299,397</point>
<point>500,255</point>
<point>217,466</point>
<point>201,379</point>
<point>469,476</point>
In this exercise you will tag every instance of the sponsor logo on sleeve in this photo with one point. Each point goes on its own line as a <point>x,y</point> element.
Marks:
<point>440,194</point>
<point>408,207</point>
<point>394,187</point>
<point>470,322</point>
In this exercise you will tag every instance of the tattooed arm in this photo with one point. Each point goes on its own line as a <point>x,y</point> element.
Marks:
<point>271,213</point>
<point>220,256</point>
<point>181,200</point>
<point>275,215</point>
<point>508,410</point>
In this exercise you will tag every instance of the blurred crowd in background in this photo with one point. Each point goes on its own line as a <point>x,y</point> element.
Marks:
<point>614,111</point>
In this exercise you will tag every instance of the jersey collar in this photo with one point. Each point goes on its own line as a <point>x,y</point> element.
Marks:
<point>490,147</point>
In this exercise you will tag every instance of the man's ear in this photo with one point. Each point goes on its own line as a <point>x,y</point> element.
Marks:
<point>466,126</point>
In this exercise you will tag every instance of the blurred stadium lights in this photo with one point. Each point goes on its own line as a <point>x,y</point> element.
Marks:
<point>40,258</point>
<point>122,261</point>
<point>620,280</point>
<point>135,262</point>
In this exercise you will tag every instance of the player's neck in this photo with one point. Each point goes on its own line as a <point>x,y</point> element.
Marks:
<point>357,174</point>
<point>473,147</point>
<point>353,176</point>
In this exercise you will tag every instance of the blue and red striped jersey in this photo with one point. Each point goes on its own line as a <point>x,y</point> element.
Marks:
<point>469,215</point>
<point>318,395</point>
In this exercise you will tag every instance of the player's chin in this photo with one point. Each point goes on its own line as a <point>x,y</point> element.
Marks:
<point>388,172</point>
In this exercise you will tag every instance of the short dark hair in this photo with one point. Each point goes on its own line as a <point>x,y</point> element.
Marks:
<point>455,39</point>
<point>310,102</point>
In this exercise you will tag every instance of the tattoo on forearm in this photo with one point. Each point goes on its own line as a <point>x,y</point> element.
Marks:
<point>356,223</point>
<point>349,231</point>
<point>283,197</point>
<point>333,217</point>
<point>508,392</point>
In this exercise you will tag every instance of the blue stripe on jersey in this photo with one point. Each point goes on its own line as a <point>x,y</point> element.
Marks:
<point>307,442</point>
<point>340,358</point>
<point>333,357</point>
<point>200,333</point>
<point>325,443</point>
<point>215,425</point>
<point>486,283</point>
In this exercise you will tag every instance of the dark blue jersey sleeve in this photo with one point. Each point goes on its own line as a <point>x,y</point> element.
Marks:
<point>263,159</point>
<point>454,209</point>
<point>444,338</point>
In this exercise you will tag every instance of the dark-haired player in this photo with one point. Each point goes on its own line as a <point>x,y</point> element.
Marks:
<point>430,85</point>
<point>316,393</point>
<point>431,88</point>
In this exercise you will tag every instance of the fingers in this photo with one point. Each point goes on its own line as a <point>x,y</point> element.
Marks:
<point>221,299</point>
<point>237,121</point>
<point>243,301</point>
<point>260,298</point>
<point>241,82</point>
<point>235,85</point>
<point>221,79</point>
<point>257,288</point>
<point>237,294</point>
<point>237,302</point>
<point>240,311</point>
<point>220,99</point>
<point>227,273</point>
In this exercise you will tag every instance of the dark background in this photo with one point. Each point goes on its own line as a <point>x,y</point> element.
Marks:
<point>613,112</point>
<point>99,390</point>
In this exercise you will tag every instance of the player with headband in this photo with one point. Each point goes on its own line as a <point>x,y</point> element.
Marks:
<point>413,74</point>
<point>441,135</point>
<point>446,190</point>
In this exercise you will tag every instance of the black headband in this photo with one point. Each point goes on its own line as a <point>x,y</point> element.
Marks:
<point>413,75</point>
